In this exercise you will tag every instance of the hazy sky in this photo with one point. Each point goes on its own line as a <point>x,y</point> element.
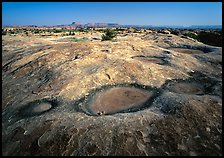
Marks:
<point>138,13</point>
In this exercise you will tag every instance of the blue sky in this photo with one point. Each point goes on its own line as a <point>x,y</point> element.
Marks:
<point>134,13</point>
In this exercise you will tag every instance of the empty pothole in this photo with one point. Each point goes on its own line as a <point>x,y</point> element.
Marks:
<point>41,107</point>
<point>188,88</point>
<point>117,99</point>
<point>187,49</point>
<point>152,59</point>
<point>197,84</point>
<point>38,107</point>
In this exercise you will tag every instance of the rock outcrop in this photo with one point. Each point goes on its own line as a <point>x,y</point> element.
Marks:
<point>154,95</point>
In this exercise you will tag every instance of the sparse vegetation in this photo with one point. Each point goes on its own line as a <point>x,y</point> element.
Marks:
<point>210,38</point>
<point>82,29</point>
<point>56,31</point>
<point>191,35</point>
<point>4,32</point>
<point>109,35</point>
<point>79,39</point>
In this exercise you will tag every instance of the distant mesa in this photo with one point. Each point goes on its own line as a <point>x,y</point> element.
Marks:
<point>79,24</point>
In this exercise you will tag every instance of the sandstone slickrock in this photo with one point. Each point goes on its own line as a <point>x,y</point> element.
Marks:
<point>143,94</point>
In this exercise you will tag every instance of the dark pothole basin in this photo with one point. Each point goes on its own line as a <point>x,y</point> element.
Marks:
<point>41,107</point>
<point>152,59</point>
<point>188,88</point>
<point>198,84</point>
<point>38,107</point>
<point>187,51</point>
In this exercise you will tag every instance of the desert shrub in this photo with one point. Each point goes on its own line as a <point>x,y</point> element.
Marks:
<point>56,31</point>
<point>36,31</point>
<point>213,38</point>
<point>11,32</point>
<point>82,29</point>
<point>4,32</point>
<point>210,38</point>
<point>191,35</point>
<point>108,35</point>
<point>175,32</point>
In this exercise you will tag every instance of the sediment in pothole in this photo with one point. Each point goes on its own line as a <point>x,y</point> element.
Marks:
<point>188,88</point>
<point>197,84</point>
<point>38,107</point>
<point>114,99</point>
<point>118,99</point>
<point>152,59</point>
<point>188,49</point>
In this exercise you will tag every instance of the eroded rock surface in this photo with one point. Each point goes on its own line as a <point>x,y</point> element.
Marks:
<point>154,94</point>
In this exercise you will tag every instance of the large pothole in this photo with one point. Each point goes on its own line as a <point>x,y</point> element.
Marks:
<point>110,100</point>
<point>118,99</point>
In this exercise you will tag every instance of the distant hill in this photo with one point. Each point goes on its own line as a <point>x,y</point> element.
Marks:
<point>206,26</point>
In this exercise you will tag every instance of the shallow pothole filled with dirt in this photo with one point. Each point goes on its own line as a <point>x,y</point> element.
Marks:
<point>117,99</point>
<point>187,49</point>
<point>188,88</point>
<point>152,59</point>
<point>114,99</point>
<point>197,84</point>
<point>38,107</point>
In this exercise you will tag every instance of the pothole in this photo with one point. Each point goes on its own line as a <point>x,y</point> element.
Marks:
<point>197,84</point>
<point>187,51</point>
<point>152,59</point>
<point>38,107</point>
<point>41,107</point>
<point>118,99</point>
<point>110,100</point>
<point>188,88</point>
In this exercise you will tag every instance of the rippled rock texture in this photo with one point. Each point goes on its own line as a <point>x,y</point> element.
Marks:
<point>154,95</point>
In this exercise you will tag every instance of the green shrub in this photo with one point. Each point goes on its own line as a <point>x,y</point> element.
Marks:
<point>109,35</point>
<point>36,31</point>
<point>191,35</point>
<point>57,31</point>
<point>4,32</point>
<point>211,38</point>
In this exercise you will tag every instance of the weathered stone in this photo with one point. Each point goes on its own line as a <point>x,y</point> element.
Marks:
<point>145,94</point>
